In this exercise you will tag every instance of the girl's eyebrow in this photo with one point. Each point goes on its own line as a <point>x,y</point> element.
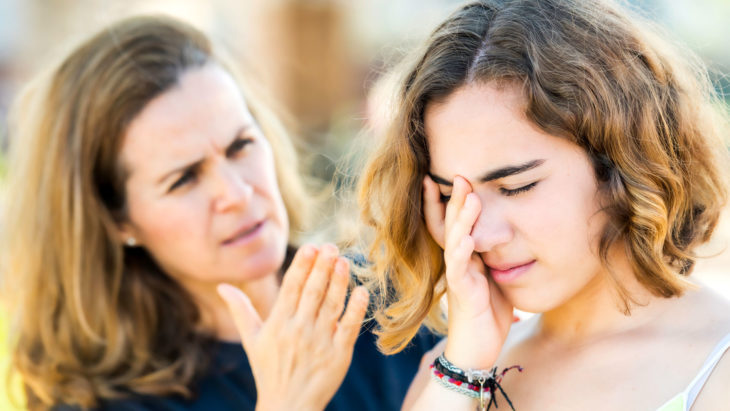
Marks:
<point>494,174</point>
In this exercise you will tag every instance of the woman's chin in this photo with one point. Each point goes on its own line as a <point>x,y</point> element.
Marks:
<point>258,266</point>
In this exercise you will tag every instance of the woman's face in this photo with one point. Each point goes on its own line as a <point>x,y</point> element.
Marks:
<point>539,226</point>
<point>201,191</point>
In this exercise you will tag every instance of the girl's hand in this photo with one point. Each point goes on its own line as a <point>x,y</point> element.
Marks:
<point>479,317</point>
<point>300,354</point>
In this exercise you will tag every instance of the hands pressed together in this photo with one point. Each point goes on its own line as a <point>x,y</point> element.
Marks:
<point>300,354</point>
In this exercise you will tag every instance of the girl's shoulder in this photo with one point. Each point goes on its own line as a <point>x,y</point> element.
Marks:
<point>703,311</point>
<point>704,322</point>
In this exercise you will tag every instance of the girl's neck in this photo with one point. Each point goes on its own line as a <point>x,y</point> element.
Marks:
<point>598,311</point>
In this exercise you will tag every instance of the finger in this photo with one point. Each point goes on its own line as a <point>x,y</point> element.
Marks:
<point>458,195</point>
<point>247,319</point>
<point>433,210</point>
<point>503,309</point>
<point>293,282</point>
<point>457,262</point>
<point>317,282</point>
<point>334,300</point>
<point>349,325</point>
<point>464,221</point>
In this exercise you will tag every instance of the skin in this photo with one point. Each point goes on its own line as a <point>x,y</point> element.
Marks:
<point>301,353</point>
<point>207,174</point>
<point>203,199</point>
<point>546,219</point>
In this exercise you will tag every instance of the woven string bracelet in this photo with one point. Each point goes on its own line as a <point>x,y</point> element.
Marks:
<point>454,384</point>
<point>479,384</point>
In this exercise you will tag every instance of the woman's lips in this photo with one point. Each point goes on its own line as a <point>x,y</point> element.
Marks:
<point>511,273</point>
<point>245,235</point>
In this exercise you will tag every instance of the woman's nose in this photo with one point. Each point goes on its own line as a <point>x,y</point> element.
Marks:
<point>232,190</point>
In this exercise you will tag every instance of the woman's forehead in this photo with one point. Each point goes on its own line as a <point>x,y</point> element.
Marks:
<point>203,113</point>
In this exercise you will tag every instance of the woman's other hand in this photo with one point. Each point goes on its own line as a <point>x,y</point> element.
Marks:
<point>301,353</point>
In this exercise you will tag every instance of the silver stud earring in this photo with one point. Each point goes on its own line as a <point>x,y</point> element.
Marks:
<point>131,242</point>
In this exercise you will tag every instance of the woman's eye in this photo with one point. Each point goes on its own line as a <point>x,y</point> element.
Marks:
<point>519,190</point>
<point>185,178</point>
<point>238,145</point>
<point>444,198</point>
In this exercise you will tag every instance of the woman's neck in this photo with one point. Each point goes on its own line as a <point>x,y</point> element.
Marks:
<point>214,314</point>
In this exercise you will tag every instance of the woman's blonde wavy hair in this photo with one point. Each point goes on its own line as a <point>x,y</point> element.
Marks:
<point>590,72</point>
<point>94,320</point>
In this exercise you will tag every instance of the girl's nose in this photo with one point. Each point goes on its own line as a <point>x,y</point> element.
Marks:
<point>491,229</point>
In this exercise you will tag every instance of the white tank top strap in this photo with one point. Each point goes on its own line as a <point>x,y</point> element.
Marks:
<point>699,381</point>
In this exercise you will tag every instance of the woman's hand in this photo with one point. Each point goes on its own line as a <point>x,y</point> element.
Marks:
<point>479,317</point>
<point>301,353</point>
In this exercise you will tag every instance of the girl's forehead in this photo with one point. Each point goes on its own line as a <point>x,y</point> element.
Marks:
<point>481,120</point>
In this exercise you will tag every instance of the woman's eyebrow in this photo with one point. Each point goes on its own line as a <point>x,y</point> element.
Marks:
<point>501,172</point>
<point>180,169</point>
<point>240,133</point>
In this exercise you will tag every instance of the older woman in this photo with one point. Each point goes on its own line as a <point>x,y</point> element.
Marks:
<point>143,175</point>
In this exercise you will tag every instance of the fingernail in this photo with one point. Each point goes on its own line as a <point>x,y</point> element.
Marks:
<point>362,294</point>
<point>330,248</point>
<point>342,265</point>
<point>307,251</point>
<point>227,291</point>
<point>462,181</point>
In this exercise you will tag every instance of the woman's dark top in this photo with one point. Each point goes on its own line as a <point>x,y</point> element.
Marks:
<point>373,382</point>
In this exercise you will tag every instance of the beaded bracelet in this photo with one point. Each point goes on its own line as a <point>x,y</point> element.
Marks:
<point>455,379</point>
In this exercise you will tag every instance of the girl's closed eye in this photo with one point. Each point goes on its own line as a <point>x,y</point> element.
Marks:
<point>444,198</point>
<point>519,190</point>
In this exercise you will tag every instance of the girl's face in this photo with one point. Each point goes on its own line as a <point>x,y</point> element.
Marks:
<point>540,222</point>
<point>202,194</point>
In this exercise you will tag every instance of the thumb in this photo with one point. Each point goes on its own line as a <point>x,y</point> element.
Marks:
<point>247,320</point>
<point>433,210</point>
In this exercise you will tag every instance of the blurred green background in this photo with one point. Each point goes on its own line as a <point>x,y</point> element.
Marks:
<point>319,59</point>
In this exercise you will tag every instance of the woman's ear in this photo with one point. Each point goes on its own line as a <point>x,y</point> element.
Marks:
<point>127,234</point>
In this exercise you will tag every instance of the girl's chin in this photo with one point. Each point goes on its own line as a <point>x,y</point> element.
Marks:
<point>531,304</point>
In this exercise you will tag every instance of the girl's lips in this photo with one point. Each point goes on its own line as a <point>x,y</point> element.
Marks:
<point>245,235</point>
<point>510,274</point>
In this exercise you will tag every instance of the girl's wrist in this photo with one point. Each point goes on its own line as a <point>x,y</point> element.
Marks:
<point>466,360</point>
<point>480,384</point>
<point>466,353</point>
